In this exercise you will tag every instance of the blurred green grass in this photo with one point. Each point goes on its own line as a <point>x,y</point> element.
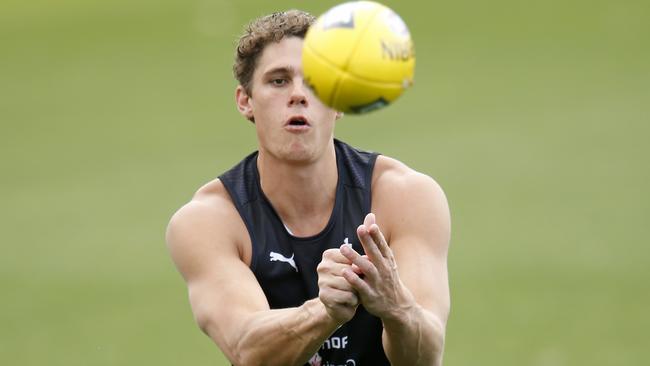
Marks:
<point>532,115</point>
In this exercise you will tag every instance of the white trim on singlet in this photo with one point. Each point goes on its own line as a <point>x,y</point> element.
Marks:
<point>288,230</point>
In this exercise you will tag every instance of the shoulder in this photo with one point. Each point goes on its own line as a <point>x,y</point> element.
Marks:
<point>208,222</point>
<point>210,202</point>
<point>391,175</point>
<point>405,197</point>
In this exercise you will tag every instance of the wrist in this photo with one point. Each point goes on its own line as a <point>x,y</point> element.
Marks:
<point>318,311</point>
<point>402,314</point>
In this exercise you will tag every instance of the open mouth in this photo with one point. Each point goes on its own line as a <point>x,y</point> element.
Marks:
<point>298,121</point>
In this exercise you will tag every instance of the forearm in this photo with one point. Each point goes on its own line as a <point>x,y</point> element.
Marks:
<point>414,337</point>
<point>280,337</point>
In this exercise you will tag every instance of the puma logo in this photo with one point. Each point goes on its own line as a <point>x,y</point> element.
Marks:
<point>277,257</point>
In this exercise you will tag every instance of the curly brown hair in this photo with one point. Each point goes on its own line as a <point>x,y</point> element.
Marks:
<point>262,31</point>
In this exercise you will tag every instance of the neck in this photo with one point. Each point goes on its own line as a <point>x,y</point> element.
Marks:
<point>302,194</point>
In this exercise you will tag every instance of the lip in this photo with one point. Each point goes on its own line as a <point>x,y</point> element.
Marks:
<point>297,128</point>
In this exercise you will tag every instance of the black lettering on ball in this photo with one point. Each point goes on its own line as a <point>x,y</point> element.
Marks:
<point>397,51</point>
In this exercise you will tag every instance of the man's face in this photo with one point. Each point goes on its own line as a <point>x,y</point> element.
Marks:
<point>291,122</point>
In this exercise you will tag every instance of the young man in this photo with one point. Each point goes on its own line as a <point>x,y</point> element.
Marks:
<point>284,262</point>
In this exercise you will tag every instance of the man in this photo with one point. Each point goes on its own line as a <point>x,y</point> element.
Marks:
<point>284,262</point>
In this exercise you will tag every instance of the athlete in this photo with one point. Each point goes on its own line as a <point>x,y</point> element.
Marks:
<point>309,251</point>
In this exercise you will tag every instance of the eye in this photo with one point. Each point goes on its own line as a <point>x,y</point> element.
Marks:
<point>278,82</point>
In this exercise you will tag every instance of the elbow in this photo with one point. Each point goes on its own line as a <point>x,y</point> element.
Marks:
<point>438,339</point>
<point>431,339</point>
<point>240,349</point>
<point>204,323</point>
<point>232,347</point>
<point>244,356</point>
<point>248,352</point>
<point>250,355</point>
<point>244,346</point>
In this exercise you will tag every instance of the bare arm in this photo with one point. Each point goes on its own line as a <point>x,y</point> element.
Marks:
<point>406,284</point>
<point>228,303</point>
<point>419,244</point>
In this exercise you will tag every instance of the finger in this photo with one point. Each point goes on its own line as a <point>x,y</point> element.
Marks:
<point>347,263</point>
<point>356,268</point>
<point>369,220</point>
<point>332,295</point>
<point>380,240</point>
<point>362,287</point>
<point>329,271</point>
<point>362,262</point>
<point>369,246</point>
<point>325,272</point>
<point>334,255</point>
<point>336,269</point>
<point>338,283</point>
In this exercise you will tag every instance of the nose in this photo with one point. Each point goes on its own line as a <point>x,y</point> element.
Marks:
<point>298,94</point>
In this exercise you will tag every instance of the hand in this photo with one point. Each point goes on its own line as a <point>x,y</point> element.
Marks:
<point>380,289</point>
<point>337,294</point>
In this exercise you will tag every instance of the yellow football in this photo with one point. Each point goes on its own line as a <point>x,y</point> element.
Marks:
<point>358,57</point>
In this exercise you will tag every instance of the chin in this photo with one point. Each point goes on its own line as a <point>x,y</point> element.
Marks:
<point>297,153</point>
<point>296,149</point>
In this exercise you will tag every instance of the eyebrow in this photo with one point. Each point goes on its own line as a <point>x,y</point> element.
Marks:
<point>280,70</point>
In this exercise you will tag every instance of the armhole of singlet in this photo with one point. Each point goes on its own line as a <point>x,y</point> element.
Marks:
<point>245,219</point>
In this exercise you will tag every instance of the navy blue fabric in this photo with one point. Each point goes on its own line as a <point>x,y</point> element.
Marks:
<point>357,342</point>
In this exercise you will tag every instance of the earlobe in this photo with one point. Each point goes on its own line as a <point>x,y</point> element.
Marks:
<point>243,103</point>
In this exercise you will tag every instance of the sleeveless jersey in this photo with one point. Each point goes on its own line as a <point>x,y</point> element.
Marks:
<point>285,265</point>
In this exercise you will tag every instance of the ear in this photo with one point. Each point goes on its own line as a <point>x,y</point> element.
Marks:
<point>244,103</point>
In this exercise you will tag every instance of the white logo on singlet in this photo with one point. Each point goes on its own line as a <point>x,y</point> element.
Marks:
<point>277,257</point>
<point>335,343</point>
<point>317,360</point>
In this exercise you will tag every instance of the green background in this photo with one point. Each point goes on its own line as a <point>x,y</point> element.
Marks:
<point>533,116</point>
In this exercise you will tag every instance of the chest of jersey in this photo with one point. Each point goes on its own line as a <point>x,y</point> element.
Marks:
<point>286,266</point>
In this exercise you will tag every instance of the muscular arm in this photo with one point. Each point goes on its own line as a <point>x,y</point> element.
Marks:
<point>228,303</point>
<point>419,242</point>
<point>406,283</point>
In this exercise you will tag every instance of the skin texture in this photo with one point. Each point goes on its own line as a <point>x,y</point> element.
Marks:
<point>402,279</point>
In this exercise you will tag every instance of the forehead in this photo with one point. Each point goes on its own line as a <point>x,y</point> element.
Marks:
<point>284,54</point>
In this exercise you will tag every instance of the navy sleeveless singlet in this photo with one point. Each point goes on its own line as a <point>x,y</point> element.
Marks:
<point>285,265</point>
